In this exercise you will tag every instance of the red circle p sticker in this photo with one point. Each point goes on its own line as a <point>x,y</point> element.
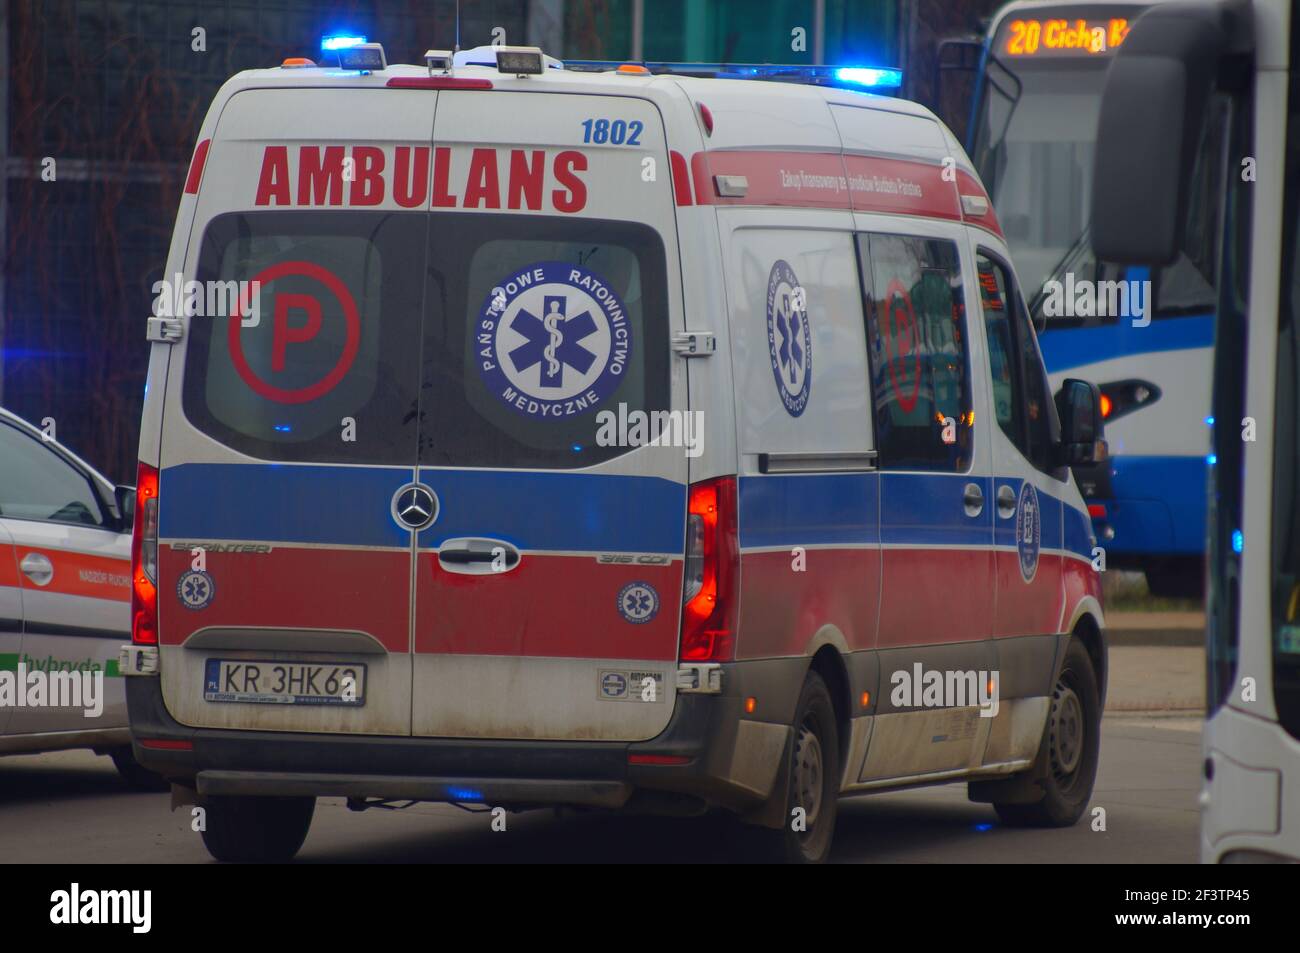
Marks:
<point>284,336</point>
<point>904,346</point>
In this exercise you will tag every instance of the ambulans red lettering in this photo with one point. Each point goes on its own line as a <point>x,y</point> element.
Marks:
<point>527,170</point>
<point>319,170</point>
<point>441,173</point>
<point>368,176</point>
<point>273,183</point>
<point>411,178</point>
<point>484,187</point>
<point>322,172</point>
<point>567,163</point>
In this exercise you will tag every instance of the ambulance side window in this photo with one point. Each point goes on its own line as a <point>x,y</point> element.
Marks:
<point>920,358</point>
<point>1022,401</point>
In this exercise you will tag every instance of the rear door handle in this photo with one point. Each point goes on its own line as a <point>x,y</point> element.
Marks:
<point>1006,502</point>
<point>476,556</point>
<point>973,499</point>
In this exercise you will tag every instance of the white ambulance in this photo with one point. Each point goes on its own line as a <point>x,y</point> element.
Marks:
<point>614,439</point>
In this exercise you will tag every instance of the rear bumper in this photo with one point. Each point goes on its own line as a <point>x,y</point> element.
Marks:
<point>709,754</point>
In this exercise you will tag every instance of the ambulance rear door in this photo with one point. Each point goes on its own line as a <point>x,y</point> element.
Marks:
<point>548,584</point>
<point>290,432</point>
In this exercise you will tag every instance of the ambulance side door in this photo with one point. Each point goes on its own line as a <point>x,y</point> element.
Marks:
<point>936,600</point>
<point>1027,503</point>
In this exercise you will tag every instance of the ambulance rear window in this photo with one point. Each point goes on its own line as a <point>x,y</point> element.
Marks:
<point>454,339</point>
<point>539,332</point>
<point>326,368</point>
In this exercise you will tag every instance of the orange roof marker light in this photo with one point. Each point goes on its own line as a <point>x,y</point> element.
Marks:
<point>294,62</point>
<point>633,69</point>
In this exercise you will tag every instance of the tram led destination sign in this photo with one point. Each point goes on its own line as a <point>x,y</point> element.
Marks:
<point>1022,38</point>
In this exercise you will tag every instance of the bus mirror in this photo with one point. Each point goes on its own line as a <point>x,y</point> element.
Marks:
<point>955,55</point>
<point>1078,404</point>
<point>1154,104</point>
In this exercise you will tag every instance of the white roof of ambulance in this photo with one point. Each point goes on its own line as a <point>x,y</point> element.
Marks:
<point>776,118</point>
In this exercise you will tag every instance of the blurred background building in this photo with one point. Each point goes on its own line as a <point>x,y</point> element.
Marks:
<point>102,101</point>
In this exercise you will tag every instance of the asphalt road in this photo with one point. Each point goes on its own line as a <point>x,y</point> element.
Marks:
<point>70,807</point>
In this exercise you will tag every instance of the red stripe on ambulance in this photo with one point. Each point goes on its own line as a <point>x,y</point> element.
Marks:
<point>361,176</point>
<point>831,180</point>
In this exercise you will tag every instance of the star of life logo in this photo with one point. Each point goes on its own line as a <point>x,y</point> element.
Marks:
<point>638,602</point>
<point>553,340</point>
<point>1028,530</point>
<point>195,589</point>
<point>789,338</point>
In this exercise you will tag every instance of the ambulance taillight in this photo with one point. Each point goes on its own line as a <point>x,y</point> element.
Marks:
<point>712,572</point>
<point>144,558</point>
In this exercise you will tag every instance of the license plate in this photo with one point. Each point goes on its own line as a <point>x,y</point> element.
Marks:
<point>284,683</point>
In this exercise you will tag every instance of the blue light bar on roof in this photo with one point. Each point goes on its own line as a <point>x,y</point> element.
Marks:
<point>870,76</point>
<point>847,77</point>
<point>339,42</point>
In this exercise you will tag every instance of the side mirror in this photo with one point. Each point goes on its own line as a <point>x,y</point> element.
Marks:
<point>125,497</point>
<point>955,55</point>
<point>1152,111</point>
<point>1078,404</point>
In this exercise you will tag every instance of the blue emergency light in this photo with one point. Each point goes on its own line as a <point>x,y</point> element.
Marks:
<point>354,52</point>
<point>844,77</point>
<point>336,42</point>
<point>871,77</point>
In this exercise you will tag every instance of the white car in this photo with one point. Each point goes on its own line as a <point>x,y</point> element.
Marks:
<point>65,600</point>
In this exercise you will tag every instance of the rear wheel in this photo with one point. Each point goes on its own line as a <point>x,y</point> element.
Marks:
<point>812,792</point>
<point>137,778</point>
<point>264,830</point>
<point>1068,755</point>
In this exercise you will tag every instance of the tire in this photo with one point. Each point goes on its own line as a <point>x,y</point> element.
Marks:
<point>813,774</point>
<point>137,778</point>
<point>258,830</point>
<point>1069,752</point>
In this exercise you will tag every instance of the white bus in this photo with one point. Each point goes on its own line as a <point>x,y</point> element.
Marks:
<point>1187,72</point>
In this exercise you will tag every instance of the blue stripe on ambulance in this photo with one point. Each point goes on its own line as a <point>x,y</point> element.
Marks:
<point>349,506</point>
<point>916,509</point>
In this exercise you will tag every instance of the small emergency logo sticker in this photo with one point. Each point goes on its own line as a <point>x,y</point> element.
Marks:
<point>630,685</point>
<point>195,589</point>
<point>789,339</point>
<point>1028,530</point>
<point>553,340</point>
<point>638,602</point>
<point>613,685</point>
